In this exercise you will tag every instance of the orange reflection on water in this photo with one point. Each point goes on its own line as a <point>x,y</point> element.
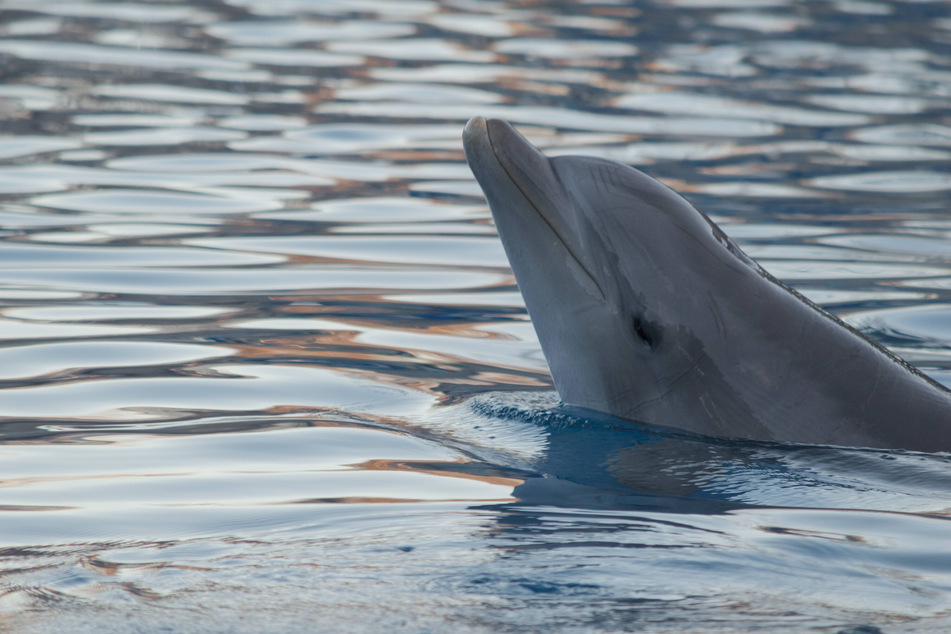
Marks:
<point>441,468</point>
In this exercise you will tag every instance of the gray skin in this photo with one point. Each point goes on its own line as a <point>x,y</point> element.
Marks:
<point>646,310</point>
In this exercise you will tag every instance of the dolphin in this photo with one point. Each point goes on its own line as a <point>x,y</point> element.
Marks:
<point>647,311</point>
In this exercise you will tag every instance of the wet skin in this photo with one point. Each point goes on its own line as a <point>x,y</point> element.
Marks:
<point>646,310</point>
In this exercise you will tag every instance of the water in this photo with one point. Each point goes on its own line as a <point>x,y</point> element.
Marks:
<point>263,365</point>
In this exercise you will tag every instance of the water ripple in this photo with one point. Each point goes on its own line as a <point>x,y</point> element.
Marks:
<point>264,363</point>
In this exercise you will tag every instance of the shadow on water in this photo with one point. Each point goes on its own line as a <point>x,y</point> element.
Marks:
<point>594,461</point>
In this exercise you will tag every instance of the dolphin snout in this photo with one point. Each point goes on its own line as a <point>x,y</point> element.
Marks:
<point>502,140</point>
<point>474,131</point>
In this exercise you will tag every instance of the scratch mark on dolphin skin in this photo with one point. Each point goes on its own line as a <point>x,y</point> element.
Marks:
<point>871,392</point>
<point>670,388</point>
<point>717,319</point>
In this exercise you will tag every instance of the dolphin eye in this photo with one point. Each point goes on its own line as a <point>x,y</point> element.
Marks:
<point>637,325</point>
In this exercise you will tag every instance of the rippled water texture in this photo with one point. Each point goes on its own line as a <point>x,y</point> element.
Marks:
<point>264,367</point>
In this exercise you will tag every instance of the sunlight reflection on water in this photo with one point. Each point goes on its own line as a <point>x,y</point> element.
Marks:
<point>264,364</point>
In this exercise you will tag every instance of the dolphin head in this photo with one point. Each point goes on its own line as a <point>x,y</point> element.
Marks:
<point>616,272</point>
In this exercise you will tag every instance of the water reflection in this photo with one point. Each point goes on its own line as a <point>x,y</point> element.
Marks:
<point>263,356</point>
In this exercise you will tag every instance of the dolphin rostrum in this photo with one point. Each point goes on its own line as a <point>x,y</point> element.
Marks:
<point>647,311</point>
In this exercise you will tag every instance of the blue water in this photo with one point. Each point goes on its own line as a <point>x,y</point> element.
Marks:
<point>264,367</point>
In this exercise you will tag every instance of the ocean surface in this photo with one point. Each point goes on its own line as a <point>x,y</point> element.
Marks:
<point>264,366</point>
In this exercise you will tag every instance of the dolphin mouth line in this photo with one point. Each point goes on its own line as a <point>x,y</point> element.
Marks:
<point>515,181</point>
